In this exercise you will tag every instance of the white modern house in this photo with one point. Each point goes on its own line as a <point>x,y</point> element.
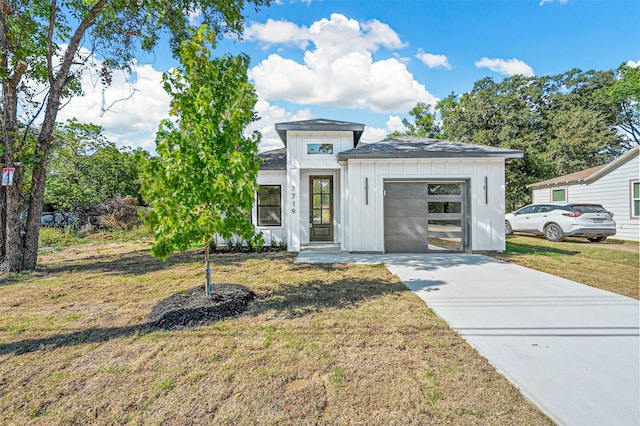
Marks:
<point>615,185</point>
<point>404,194</point>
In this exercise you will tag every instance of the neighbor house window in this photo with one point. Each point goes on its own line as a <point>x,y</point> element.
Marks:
<point>559,195</point>
<point>269,207</point>
<point>635,200</point>
<point>320,148</point>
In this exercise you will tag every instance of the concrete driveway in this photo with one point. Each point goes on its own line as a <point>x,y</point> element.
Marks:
<point>573,350</point>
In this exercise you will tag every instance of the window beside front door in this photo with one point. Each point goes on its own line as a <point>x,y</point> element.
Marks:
<point>269,205</point>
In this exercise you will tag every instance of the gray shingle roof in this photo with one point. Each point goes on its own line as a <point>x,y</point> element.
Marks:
<point>275,159</point>
<point>320,124</point>
<point>416,147</point>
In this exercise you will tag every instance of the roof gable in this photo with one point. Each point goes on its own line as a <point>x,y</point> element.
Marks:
<point>320,124</point>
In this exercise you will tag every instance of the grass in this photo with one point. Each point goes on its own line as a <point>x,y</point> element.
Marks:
<point>58,238</point>
<point>322,344</point>
<point>612,265</point>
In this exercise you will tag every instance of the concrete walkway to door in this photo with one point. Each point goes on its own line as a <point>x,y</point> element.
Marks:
<point>573,350</point>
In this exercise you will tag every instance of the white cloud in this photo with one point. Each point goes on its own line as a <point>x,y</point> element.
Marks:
<point>269,115</point>
<point>506,66</point>
<point>402,59</point>
<point>195,17</point>
<point>542,2</point>
<point>395,123</point>
<point>337,34</point>
<point>340,70</point>
<point>277,32</point>
<point>280,2</point>
<point>132,119</point>
<point>432,61</point>
<point>378,33</point>
<point>375,134</point>
<point>632,64</point>
<point>136,103</point>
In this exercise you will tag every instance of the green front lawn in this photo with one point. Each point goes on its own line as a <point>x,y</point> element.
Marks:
<point>613,265</point>
<point>322,344</point>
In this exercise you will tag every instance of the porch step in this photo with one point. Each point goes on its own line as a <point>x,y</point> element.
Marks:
<point>321,247</point>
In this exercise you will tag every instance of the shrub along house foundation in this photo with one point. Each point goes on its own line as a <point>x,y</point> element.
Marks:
<point>404,195</point>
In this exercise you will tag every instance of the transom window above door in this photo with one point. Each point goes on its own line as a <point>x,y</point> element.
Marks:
<point>320,148</point>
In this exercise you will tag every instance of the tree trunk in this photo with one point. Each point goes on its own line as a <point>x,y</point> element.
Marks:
<point>3,220</point>
<point>11,203</point>
<point>13,243</point>
<point>58,82</point>
<point>207,269</point>
<point>29,251</point>
<point>34,214</point>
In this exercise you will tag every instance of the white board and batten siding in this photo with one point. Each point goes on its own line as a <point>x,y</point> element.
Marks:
<point>614,190</point>
<point>301,165</point>
<point>363,230</point>
<point>297,142</point>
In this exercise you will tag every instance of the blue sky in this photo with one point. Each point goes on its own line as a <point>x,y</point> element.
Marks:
<point>371,61</point>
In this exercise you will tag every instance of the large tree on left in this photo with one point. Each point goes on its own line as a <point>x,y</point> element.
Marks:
<point>44,48</point>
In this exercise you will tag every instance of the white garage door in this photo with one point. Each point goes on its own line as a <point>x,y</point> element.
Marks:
<point>420,217</point>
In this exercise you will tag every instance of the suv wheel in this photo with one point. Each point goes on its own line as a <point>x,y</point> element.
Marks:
<point>553,232</point>
<point>507,228</point>
<point>597,239</point>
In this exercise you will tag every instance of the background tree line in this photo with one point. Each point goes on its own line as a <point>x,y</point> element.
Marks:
<point>86,170</point>
<point>563,123</point>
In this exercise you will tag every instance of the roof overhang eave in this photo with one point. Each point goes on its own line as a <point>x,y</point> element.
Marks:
<point>356,128</point>
<point>426,155</point>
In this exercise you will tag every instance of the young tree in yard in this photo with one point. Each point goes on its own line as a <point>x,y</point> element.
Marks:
<point>45,45</point>
<point>203,181</point>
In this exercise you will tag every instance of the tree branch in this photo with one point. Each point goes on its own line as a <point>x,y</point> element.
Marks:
<point>52,23</point>
<point>104,108</point>
<point>74,43</point>
<point>18,73</point>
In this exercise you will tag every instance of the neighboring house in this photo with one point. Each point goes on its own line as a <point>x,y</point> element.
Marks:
<point>404,194</point>
<point>615,185</point>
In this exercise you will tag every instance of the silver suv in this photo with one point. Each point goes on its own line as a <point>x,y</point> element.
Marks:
<point>556,221</point>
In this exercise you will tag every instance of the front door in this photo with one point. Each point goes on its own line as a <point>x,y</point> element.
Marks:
<point>321,208</point>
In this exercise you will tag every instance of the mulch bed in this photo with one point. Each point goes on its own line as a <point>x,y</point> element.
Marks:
<point>193,308</point>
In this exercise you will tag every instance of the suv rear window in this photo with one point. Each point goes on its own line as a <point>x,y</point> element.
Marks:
<point>588,208</point>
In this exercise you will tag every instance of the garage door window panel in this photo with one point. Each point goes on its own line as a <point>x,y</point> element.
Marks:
<point>445,216</point>
<point>445,189</point>
<point>445,207</point>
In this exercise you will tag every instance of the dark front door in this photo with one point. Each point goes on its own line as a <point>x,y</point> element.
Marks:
<point>321,208</point>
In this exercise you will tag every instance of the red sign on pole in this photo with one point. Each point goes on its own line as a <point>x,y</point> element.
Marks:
<point>7,176</point>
